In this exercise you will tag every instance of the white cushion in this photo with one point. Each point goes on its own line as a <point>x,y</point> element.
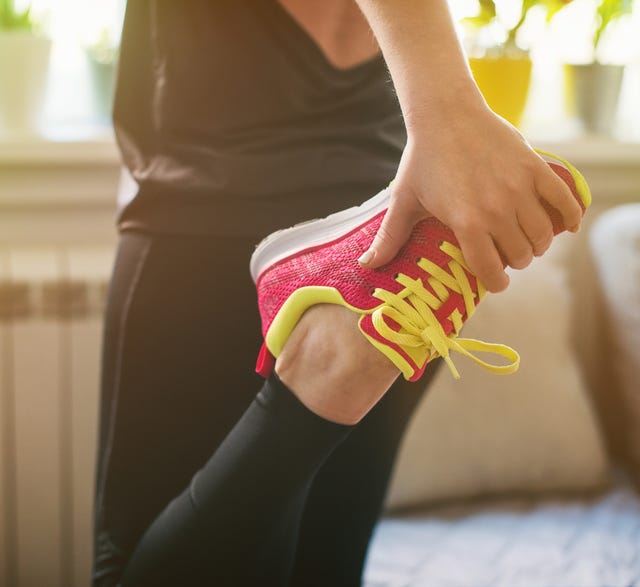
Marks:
<point>615,244</point>
<point>531,431</point>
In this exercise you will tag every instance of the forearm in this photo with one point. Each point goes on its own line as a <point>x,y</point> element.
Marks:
<point>426,61</point>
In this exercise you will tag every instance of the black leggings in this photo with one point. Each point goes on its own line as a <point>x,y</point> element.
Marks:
<point>200,481</point>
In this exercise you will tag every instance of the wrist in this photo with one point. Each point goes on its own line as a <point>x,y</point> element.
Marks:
<point>444,108</point>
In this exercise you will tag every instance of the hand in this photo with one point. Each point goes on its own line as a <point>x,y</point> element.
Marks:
<point>475,173</point>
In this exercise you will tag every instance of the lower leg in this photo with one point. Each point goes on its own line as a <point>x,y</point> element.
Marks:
<point>237,522</point>
<point>347,495</point>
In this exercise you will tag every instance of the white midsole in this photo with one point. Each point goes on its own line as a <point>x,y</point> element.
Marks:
<point>551,159</point>
<point>287,242</point>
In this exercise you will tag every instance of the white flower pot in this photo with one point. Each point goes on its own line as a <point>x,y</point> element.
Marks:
<point>592,92</point>
<point>102,76</point>
<point>24,65</point>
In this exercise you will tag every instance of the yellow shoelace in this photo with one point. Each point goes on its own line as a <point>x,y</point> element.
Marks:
<point>413,309</point>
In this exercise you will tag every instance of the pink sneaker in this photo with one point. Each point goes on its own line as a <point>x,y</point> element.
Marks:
<point>412,309</point>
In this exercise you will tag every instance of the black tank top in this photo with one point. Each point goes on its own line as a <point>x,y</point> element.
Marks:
<point>232,121</point>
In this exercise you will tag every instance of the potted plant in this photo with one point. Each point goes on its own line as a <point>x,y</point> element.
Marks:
<point>592,89</point>
<point>102,57</point>
<point>501,68</point>
<point>24,63</point>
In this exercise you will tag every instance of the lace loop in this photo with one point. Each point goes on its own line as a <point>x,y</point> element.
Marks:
<point>413,308</point>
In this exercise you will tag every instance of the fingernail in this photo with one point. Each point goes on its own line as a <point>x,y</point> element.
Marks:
<point>575,228</point>
<point>366,257</point>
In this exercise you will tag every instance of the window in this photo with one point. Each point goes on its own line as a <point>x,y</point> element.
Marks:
<point>85,35</point>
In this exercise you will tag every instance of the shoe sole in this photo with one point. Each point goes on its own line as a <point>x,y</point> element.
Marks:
<point>314,233</point>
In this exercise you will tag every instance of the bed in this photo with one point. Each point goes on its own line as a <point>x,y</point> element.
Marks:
<point>592,541</point>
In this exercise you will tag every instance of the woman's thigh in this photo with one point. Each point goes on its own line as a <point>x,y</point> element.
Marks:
<point>181,336</point>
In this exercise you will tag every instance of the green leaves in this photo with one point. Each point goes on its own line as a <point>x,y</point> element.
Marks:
<point>487,12</point>
<point>607,12</point>
<point>554,6</point>
<point>485,16</point>
<point>14,20</point>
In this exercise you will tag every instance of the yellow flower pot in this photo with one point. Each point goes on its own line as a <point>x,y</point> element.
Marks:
<point>504,82</point>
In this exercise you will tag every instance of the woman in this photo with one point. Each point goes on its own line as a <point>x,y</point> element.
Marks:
<point>236,118</point>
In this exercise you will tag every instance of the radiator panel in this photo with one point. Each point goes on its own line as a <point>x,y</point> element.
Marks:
<point>85,336</point>
<point>91,268</point>
<point>7,462</point>
<point>39,402</point>
<point>51,304</point>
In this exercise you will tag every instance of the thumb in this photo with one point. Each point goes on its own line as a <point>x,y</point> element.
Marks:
<point>393,233</point>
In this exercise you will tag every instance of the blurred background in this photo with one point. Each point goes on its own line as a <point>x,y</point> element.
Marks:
<point>79,51</point>
<point>567,73</point>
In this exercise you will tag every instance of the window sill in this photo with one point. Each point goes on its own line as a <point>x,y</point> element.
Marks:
<point>58,170</point>
<point>94,146</point>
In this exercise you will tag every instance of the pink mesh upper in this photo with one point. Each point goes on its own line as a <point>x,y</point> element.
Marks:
<point>336,265</point>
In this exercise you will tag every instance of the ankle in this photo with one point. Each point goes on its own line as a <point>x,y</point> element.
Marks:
<point>331,368</point>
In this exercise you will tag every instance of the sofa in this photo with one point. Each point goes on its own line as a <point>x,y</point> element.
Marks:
<point>530,479</point>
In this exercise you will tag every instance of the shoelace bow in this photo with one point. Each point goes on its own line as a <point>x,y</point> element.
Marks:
<point>413,310</point>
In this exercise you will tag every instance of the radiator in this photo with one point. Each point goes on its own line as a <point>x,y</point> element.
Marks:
<point>51,305</point>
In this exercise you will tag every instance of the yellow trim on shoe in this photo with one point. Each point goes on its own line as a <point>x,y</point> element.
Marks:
<point>300,301</point>
<point>291,311</point>
<point>581,183</point>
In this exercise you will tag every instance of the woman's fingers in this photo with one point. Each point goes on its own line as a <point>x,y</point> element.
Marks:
<point>514,241</point>
<point>536,226</point>
<point>484,260</point>
<point>394,232</point>
<point>558,194</point>
<point>514,246</point>
<point>499,219</point>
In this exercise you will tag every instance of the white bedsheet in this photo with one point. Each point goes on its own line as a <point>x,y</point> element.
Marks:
<point>589,542</point>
